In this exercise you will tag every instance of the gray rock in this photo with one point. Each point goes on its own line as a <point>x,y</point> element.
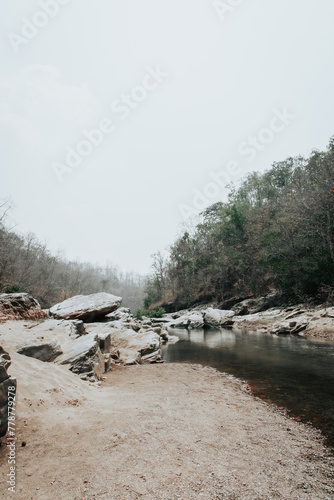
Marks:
<point>77,328</point>
<point>153,357</point>
<point>281,330</point>
<point>160,321</point>
<point>41,349</point>
<point>232,301</point>
<point>253,306</point>
<point>173,339</point>
<point>107,362</point>
<point>290,327</point>
<point>215,317</point>
<point>123,314</point>
<point>4,364</point>
<point>5,382</point>
<point>86,307</point>
<point>135,327</point>
<point>135,346</point>
<point>104,341</point>
<point>9,382</point>
<point>299,328</point>
<point>295,313</point>
<point>330,312</point>
<point>125,310</point>
<point>190,321</point>
<point>84,355</point>
<point>241,309</point>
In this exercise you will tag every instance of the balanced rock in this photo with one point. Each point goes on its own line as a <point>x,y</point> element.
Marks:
<point>86,307</point>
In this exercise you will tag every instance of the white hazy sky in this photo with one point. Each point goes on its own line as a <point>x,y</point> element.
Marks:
<point>227,74</point>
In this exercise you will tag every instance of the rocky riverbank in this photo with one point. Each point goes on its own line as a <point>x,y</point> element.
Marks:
<point>92,423</point>
<point>157,431</point>
<point>256,314</point>
<point>87,334</point>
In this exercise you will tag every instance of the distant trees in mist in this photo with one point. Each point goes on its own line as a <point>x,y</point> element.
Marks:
<point>26,265</point>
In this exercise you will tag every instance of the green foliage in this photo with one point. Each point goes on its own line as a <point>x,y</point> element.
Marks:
<point>12,289</point>
<point>275,231</point>
<point>157,312</point>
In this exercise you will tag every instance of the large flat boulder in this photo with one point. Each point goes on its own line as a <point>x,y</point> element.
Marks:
<point>86,307</point>
<point>19,306</point>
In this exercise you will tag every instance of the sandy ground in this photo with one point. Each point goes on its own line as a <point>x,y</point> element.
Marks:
<point>157,432</point>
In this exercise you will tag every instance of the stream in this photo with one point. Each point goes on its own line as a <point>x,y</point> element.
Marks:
<point>292,372</point>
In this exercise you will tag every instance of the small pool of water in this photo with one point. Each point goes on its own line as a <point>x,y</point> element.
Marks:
<point>292,372</point>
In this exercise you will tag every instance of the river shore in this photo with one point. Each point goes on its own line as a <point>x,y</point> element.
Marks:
<point>166,431</point>
<point>294,320</point>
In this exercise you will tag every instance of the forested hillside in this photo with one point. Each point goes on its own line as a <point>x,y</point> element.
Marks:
<point>26,265</point>
<point>276,231</point>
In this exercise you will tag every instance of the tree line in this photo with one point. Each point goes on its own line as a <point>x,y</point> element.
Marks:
<point>27,265</point>
<point>276,231</point>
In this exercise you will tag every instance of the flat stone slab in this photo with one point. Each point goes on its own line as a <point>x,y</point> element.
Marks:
<point>43,350</point>
<point>86,307</point>
<point>82,347</point>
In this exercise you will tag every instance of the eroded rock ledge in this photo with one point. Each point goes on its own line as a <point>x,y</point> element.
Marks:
<point>15,306</point>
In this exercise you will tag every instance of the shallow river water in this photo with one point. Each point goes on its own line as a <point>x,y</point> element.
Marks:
<point>291,372</point>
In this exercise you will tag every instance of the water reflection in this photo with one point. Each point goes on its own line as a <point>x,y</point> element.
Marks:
<point>293,372</point>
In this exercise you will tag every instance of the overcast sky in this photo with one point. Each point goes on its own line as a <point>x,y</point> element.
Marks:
<point>187,96</point>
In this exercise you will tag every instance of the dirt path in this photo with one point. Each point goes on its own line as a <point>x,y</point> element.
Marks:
<point>157,432</point>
